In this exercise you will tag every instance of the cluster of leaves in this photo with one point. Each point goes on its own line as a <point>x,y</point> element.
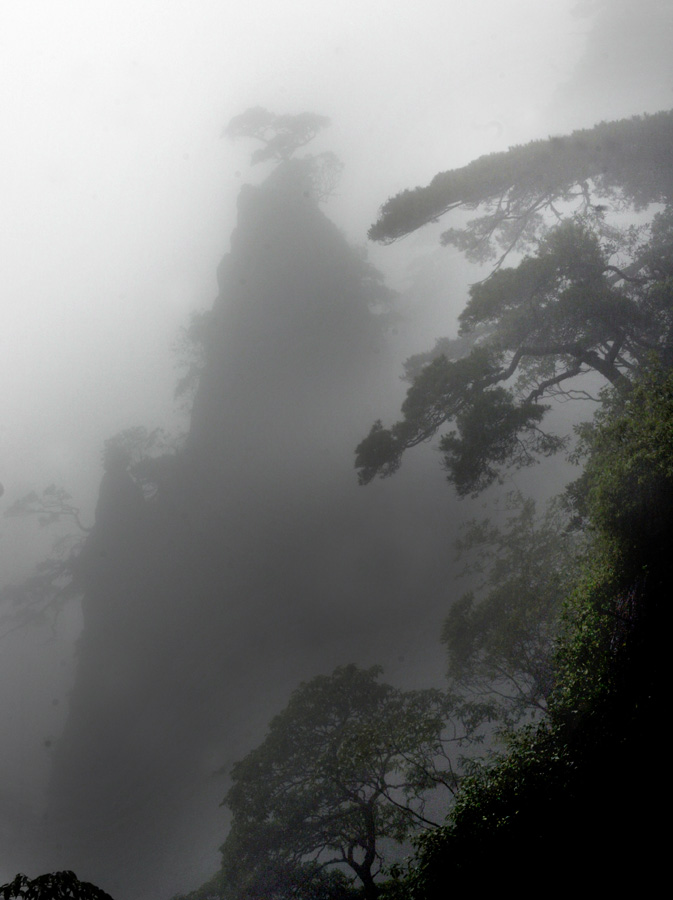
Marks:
<point>590,297</point>
<point>53,886</point>
<point>537,329</point>
<point>559,781</point>
<point>629,495</point>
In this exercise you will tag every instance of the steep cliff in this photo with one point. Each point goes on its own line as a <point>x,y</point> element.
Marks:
<point>255,563</point>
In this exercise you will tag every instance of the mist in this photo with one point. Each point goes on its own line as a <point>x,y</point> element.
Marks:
<point>249,559</point>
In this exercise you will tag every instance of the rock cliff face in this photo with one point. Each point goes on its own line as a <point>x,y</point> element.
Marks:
<point>257,562</point>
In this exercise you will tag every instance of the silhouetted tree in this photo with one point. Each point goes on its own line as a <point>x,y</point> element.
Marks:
<point>53,886</point>
<point>53,505</point>
<point>281,135</point>
<point>346,765</point>
<point>593,298</point>
<point>615,163</point>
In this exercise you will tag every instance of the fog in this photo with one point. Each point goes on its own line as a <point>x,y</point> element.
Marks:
<point>120,199</point>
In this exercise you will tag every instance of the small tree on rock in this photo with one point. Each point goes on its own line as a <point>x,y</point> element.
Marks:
<point>281,136</point>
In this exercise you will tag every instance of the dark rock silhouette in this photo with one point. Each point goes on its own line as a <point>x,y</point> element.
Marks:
<point>258,562</point>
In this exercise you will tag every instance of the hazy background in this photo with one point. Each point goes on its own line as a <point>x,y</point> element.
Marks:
<point>118,195</point>
<point>118,199</point>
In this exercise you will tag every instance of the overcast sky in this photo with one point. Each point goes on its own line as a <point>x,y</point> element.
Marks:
<point>118,194</point>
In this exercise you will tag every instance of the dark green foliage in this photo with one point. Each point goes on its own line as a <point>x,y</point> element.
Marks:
<point>491,426</point>
<point>590,297</point>
<point>54,886</point>
<point>627,484</point>
<point>563,785</point>
<point>492,431</point>
<point>346,765</point>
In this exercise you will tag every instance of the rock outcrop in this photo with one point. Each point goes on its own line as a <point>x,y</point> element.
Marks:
<point>256,563</point>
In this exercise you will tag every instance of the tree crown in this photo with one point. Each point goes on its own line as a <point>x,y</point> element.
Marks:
<point>627,161</point>
<point>593,297</point>
<point>346,764</point>
<point>281,135</point>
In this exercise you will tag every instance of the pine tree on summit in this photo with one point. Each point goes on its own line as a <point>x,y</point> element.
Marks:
<point>281,137</point>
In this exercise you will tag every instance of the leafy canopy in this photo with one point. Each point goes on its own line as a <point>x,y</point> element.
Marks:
<point>592,298</point>
<point>626,488</point>
<point>348,763</point>
<point>561,781</point>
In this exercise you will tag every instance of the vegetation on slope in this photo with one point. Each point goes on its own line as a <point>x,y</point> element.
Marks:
<point>568,782</point>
